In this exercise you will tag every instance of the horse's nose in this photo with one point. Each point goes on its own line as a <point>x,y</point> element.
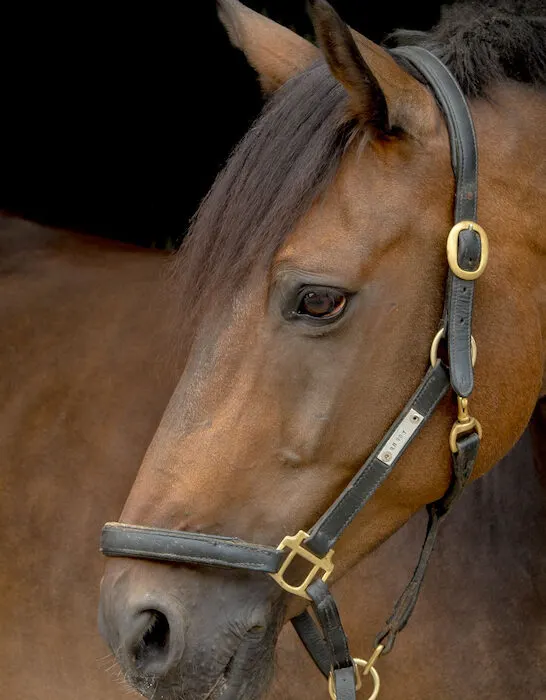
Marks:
<point>147,638</point>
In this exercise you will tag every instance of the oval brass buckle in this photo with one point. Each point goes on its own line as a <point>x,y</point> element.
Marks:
<point>370,670</point>
<point>452,247</point>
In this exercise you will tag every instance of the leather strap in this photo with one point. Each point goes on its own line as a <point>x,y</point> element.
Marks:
<point>464,159</point>
<point>335,641</point>
<point>120,540</point>
<point>463,464</point>
<point>328,616</point>
<point>313,641</point>
<point>329,649</point>
<point>344,683</point>
<point>462,137</point>
<point>377,467</point>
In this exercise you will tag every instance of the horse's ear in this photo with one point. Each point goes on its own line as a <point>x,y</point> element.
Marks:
<point>381,92</point>
<point>275,52</point>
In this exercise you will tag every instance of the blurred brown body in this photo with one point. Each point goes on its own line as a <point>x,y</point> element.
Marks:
<point>83,385</point>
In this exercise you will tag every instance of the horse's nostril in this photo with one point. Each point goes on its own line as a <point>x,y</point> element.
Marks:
<point>153,646</point>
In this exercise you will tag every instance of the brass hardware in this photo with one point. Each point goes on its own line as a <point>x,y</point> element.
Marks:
<point>294,544</point>
<point>373,658</point>
<point>462,409</point>
<point>364,664</point>
<point>436,343</point>
<point>464,424</point>
<point>452,247</point>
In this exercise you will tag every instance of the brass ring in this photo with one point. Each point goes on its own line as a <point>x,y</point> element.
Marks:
<point>436,343</point>
<point>372,672</point>
<point>452,247</point>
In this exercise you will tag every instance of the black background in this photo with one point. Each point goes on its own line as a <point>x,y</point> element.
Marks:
<point>116,119</point>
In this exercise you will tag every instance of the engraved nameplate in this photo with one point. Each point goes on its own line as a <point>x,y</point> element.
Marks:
<point>399,438</point>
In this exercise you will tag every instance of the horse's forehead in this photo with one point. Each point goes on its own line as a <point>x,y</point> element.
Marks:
<point>358,215</point>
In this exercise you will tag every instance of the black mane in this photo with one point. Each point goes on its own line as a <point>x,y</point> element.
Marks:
<point>486,42</point>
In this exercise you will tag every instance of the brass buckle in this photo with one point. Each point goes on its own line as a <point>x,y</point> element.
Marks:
<point>294,544</point>
<point>368,668</point>
<point>436,343</point>
<point>453,249</point>
<point>464,424</point>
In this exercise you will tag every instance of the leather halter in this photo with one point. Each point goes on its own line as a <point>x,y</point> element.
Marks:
<point>467,251</point>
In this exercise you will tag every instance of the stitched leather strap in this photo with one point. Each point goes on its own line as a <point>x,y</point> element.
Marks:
<point>335,641</point>
<point>460,127</point>
<point>377,467</point>
<point>463,464</point>
<point>120,540</point>
<point>328,616</point>
<point>464,159</point>
<point>313,641</point>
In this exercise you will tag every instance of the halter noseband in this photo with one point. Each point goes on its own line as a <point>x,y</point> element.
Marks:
<point>467,253</point>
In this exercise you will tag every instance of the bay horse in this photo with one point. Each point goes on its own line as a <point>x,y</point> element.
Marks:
<point>312,285</point>
<point>78,415</point>
<point>88,368</point>
<point>87,371</point>
<point>318,254</point>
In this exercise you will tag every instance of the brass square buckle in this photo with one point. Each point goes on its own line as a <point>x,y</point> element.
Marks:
<point>294,544</point>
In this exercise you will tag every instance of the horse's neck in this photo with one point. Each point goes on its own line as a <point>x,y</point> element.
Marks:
<point>508,506</point>
<point>512,147</point>
<point>494,544</point>
<point>512,150</point>
<point>487,574</point>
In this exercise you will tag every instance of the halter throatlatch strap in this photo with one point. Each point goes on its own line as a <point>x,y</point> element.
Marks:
<point>467,252</point>
<point>463,465</point>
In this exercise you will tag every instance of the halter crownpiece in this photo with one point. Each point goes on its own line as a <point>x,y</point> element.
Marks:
<point>467,254</point>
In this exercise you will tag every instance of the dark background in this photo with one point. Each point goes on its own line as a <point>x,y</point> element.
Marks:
<point>116,119</point>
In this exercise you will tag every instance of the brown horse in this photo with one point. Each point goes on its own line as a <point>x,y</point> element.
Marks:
<point>87,359</point>
<point>312,284</point>
<point>87,372</point>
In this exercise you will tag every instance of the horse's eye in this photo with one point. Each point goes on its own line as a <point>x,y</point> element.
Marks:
<point>322,303</point>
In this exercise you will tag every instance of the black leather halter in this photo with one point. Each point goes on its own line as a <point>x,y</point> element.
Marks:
<point>467,252</point>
